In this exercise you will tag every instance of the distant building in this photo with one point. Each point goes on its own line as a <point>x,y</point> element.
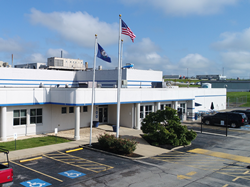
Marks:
<point>171,76</point>
<point>231,86</point>
<point>32,66</point>
<point>65,64</point>
<point>217,77</point>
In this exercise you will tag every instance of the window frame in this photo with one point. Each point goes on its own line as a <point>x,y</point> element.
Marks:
<point>64,111</point>
<point>71,110</point>
<point>85,108</point>
<point>148,109</point>
<point>37,116</point>
<point>183,106</point>
<point>20,117</point>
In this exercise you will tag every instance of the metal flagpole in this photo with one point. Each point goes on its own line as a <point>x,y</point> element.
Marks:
<point>121,57</point>
<point>119,80</point>
<point>93,93</point>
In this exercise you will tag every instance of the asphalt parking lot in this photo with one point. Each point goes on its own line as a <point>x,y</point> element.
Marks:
<point>212,160</point>
<point>63,169</point>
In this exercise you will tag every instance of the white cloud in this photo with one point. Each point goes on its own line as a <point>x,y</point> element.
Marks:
<point>10,45</point>
<point>144,55</point>
<point>236,41</point>
<point>78,27</point>
<point>235,57</point>
<point>237,60</point>
<point>185,7</point>
<point>36,57</point>
<point>194,61</point>
<point>195,64</point>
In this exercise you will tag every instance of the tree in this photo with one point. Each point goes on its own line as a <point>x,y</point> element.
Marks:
<point>164,127</point>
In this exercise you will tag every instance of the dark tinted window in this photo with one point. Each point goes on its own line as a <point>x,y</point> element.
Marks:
<point>220,115</point>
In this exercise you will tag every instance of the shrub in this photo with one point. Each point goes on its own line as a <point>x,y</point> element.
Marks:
<point>164,127</point>
<point>116,145</point>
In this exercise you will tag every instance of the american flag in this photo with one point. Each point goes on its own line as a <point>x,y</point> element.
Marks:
<point>127,31</point>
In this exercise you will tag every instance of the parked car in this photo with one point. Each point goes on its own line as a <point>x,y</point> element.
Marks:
<point>245,112</point>
<point>191,83</point>
<point>6,172</point>
<point>232,119</point>
<point>198,83</point>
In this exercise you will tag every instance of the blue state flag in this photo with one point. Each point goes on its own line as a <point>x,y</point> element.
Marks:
<point>102,54</point>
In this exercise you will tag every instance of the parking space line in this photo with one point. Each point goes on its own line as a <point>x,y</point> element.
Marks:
<point>191,173</point>
<point>31,159</point>
<point>221,155</point>
<point>183,177</point>
<point>246,172</point>
<point>36,171</point>
<point>69,151</point>
<point>236,179</point>
<point>219,163</point>
<point>78,162</point>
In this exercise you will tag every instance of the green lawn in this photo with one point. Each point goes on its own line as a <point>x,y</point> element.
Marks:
<point>32,142</point>
<point>243,97</point>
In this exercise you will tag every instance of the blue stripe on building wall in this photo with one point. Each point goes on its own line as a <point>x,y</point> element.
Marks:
<point>211,96</point>
<point>38,80</point>
<point>21,84</point>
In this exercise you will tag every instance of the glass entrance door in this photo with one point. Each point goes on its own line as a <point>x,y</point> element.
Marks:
<point>103,114</point>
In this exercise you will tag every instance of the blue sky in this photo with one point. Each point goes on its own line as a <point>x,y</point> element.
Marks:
<point>178,37</point>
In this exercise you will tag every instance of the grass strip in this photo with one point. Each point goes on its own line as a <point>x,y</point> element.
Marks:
<point>32,142</point>
<point>239,97</point>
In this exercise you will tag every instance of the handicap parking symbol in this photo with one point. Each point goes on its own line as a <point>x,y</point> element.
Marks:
<point>72,174</point>
<point>35,183</point>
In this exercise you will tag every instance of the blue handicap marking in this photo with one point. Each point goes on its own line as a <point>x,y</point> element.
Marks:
<point>35,183</point>
<point>72,174</point>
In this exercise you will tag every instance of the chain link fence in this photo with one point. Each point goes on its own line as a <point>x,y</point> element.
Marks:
<point>236,101</point>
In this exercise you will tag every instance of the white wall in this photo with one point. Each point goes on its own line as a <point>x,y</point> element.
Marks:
<point>29,129</point>
<point>53,99</point>
<point>16,77</point>
<point>126,117</point>
<point>82,96</point>
<point>206,96</point>
<point>112,113</point>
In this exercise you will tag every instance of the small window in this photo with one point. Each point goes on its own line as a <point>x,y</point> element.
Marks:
<point>71,109</point>
<point>162,107</point>
<point>64,110</point>
<point>36,115</point>
<point>183,106</point>
<point>141,111</point>
<point>19,117</point>
<point>148,109</point>
<point>169,105</point>
<point>85,108</point>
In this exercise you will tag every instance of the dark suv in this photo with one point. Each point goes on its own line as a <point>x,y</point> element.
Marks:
<point>231,119</point>
<point>243,111</point>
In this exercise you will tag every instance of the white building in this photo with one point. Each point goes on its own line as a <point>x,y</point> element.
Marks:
<point>34,101</point>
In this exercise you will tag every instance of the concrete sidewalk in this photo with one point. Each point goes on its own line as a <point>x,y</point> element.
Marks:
<point>143,148</point>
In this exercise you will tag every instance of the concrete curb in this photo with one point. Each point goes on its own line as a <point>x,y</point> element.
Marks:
<point>131,158</point>
<point>113,154</point>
